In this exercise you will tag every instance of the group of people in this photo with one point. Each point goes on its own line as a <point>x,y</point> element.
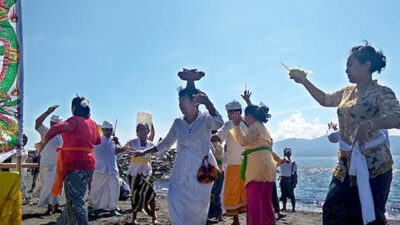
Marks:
<point>364,110</point>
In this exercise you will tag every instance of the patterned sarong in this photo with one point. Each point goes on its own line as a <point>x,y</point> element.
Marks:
<point>142,194</point>
<point>75,185</point>
<point>215,204</point>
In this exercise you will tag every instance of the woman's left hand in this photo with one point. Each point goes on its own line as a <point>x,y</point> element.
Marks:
<point>361,133</point>
<point>201,98</point>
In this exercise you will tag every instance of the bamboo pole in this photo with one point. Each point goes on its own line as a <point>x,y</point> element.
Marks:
<point>14,165</point>
<point>20,83</point>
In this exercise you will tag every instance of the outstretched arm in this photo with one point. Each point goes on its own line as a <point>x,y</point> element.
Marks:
<point>41,118</point>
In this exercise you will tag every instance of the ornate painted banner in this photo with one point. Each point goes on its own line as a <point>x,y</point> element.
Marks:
<point>10,95</point>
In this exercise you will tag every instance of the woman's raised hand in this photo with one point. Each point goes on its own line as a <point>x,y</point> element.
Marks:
<point>246,96</point>
<point>201,98</point>
<point>299,76</point>
<point>332,126</point>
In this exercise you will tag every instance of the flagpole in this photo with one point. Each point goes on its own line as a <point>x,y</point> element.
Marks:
<point>20,82</point>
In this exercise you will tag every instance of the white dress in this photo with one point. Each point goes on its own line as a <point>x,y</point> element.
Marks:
<point>188,199</point>
<point>47,170</point>
<point>105,181</point>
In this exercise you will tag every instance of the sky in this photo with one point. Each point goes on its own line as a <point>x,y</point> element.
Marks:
<point>124,56</point>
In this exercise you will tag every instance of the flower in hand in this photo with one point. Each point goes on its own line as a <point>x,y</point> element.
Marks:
<point>298,75</point>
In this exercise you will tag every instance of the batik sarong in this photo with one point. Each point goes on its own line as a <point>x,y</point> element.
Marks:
<point>342,203</point>
<point>75,185</point>
<point>143,194</point>
<point>215,203</point>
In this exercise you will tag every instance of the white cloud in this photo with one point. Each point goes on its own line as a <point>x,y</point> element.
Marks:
<point>394,132</point>
<point>296,126</point>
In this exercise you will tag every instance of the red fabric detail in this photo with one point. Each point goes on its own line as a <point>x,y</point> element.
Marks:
<point>77,131</point>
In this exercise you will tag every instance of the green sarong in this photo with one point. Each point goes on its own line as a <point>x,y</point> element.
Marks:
<point>244,161</point>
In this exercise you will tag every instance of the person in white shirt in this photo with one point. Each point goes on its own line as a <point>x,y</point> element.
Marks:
<point>188,199</point>
<point>288,179</point>
<point>234,190</point>
<point>140,171</point>
<point>105,189</point>
<point>48,163</point>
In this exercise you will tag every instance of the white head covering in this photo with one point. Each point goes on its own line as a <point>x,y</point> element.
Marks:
<point>55,119</point>
<point>233,105</point>
<point>107,125</point>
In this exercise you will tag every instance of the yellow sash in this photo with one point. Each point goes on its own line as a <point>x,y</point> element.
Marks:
<point>139,160</point>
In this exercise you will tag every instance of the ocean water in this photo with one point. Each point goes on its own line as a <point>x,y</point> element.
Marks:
<point>314,175</point>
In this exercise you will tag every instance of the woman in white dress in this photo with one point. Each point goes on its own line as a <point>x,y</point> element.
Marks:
<point>188,199</point>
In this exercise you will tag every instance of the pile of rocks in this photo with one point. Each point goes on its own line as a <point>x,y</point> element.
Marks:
<point>161,166</point>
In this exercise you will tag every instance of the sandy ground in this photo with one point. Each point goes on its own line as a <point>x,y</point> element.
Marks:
<point>34,215</point>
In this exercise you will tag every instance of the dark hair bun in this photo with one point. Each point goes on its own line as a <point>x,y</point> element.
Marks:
<point>364,53</point>
<point>259,113</point>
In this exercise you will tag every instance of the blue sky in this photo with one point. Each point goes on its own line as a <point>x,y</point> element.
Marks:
<point>124,56</point>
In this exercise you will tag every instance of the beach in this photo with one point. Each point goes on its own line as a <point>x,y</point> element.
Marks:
<point>34,215</point>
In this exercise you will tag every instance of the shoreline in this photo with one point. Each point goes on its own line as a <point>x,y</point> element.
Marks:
<point>34,215</point>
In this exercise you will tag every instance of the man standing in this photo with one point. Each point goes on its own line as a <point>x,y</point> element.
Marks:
<point>104,194</point>
<point>288,179</point>
<point>234,192</point>
<point>48,163</point>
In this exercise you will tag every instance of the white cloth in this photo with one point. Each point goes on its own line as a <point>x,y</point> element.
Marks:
<point>6,155</point>
<point>188,199</point>
<point>141,168</point>
<point>23,185</point>
<point>48,156</point>
<point>107,125</point>
<point>235,150</point>
<point>55,119</point>
<point>44,185</point>
<point>105,191</point>
<point>233,105</point>
<point>286,169</point>
<point>106,160</point>
<point>359,168</point>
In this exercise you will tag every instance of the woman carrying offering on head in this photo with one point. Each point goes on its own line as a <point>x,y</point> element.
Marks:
<point>188,199</point>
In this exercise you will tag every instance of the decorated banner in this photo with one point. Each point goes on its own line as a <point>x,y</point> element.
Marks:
<point>10,95</point>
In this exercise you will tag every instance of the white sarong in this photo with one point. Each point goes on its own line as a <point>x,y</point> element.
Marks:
<point>105,191</point>
<point>44,185</point>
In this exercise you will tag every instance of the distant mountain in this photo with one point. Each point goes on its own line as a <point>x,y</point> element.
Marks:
<point>321,146</point>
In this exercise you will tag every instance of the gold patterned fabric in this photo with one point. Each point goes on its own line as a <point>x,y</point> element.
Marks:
<point>355,106</point>
<point>261,166</point>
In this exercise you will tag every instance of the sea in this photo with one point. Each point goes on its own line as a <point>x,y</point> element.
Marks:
<point>314,177</point>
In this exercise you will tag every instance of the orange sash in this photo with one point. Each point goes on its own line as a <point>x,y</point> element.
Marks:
<point>59,179</point>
